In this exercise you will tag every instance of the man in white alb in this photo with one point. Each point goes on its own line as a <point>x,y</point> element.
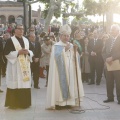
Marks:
<point>18,76</point>
<point>62,87</point>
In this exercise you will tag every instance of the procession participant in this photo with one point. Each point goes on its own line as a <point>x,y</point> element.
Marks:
<point>112,59</point>
<point>18,75</point>
<point>46,51</point>
<point>6,36</point>
<point>36,59</point>
<point>63,90</point>
<point>1,53</point>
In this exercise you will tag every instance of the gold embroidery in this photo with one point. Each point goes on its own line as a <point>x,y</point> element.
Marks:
<point>24,64</point>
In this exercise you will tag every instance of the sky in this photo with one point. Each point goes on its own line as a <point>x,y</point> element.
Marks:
<point>35,6</point>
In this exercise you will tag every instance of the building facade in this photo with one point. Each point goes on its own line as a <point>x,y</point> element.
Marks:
<point>12,12</point>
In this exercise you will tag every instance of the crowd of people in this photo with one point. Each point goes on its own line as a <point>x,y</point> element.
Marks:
<point>81,54</point>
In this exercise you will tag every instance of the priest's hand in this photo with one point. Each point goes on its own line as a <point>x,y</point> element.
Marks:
<point>23,51</point>
<point>75,46</point>
<point>67,47</point>
<point>26,52</point>
<point>109,60</point>
<point>93,53</point>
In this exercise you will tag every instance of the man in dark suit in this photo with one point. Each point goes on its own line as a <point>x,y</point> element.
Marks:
<point>1,53</point>
<point>112,53</point>
<point>6,36</point>
<point>95,58</point>
<point>36,59</point>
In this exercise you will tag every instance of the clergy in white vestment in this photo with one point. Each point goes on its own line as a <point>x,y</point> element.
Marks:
<point>18,75</point>
<point>63,89</point>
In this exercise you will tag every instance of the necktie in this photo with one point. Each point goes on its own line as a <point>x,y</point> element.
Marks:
<point>112,43</point>
<point>33,44</point>
<point>95,40</point>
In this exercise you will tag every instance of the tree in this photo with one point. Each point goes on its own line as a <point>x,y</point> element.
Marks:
<point>54,5</point>
<point>54,8</point>
<point>102,7</point>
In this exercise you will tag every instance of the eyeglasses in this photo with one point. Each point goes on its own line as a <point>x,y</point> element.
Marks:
<point>66,35</point>
<point>20,28</point>
<point>32,30</point>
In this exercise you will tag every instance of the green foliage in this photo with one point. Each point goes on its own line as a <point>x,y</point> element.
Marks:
<point>55,22</point>
<point>65,15</point>
<point>90,7</point>
<point>101,7</point>
<point>45,12</point>
<point>57,14</point>
<point>44,1</point>
<point>20,0</point>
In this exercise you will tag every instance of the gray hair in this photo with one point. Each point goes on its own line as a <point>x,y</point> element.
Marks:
<point>116,27</point>
<point>31,33</point>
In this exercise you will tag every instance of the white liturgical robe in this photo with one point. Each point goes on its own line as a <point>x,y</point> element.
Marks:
<point>62,83</point>
<point>14,78</point>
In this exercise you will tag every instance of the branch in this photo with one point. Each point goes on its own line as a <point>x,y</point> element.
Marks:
<point>73,13</point>
<point>29,3</point>
<point>56,4</point>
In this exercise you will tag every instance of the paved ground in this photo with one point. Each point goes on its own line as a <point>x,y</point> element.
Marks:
<point>37,110</point>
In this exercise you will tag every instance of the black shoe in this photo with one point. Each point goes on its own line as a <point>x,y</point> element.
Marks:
<point>67,107</point>
<point>108,100</point>
<point>1,91</point>
<point>91,83</point>
<point>3,75</point>
<point>97,83</point>
<point>10,107</point>
<point>37,87</point>
<point>57,107</point>
<point>118,102</point>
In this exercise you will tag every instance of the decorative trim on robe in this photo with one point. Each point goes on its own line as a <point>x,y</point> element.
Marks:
<point>59,58</point>
<point>23,61</point>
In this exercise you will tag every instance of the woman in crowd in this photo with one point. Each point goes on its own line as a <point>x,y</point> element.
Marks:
<point>85,63</point>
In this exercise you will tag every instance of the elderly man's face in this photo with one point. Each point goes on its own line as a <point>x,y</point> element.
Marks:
<point>114,31</point>
<point>64,38</point>
<point>32,37</point>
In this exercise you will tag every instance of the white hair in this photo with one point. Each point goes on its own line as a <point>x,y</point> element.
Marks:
<point>116,27</point>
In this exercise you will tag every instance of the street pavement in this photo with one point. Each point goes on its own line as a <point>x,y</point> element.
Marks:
<point>93,106</point>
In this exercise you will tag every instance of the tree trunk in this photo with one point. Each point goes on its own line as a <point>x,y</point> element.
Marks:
<point>49,17</point>
<point>109,20</point>
<point>50,14</point>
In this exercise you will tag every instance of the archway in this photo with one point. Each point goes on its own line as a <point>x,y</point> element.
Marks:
<point>11,19</point>
<point>2,19</point>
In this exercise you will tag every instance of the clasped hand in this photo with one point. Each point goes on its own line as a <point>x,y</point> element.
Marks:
<point>93,53</point>
<point>23,51</point>
<point>109,60</point>
<point>67,47</point>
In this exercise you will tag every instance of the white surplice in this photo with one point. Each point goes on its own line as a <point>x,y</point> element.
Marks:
<point>14,78</point>
<point>54,96</point>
